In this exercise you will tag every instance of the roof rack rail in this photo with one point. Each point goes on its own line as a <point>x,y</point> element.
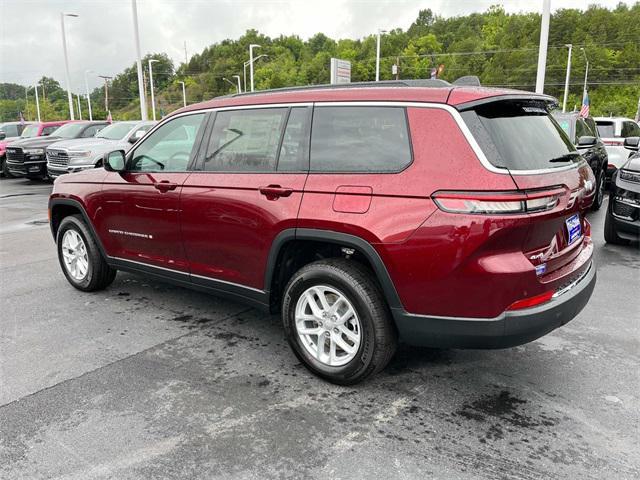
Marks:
<point>429,83</point>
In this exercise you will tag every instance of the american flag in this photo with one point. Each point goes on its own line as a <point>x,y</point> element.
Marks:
<point>584,111</point>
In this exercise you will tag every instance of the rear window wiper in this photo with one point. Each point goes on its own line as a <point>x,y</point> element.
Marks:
<point>565,158</point>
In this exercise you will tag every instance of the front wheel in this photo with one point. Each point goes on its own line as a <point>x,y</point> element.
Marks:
<point>4,168</point>
<point>337,322</point>
<point>610,232</point>
<point>80,258</point>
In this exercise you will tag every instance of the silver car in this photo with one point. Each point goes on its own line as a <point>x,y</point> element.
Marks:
<point>79,154</point>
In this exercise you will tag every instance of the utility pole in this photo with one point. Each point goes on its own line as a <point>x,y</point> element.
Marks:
<point>185,53</point>
<point>251,47</point>
<point>566,81</point>
<point>136,37</point>
<point>66,62</point>
<point>542,49</point>
<point>37,102</point>
<point>106,92</point>
<point>26,102</point>
<point>153,101</point>
<point>184,95</point>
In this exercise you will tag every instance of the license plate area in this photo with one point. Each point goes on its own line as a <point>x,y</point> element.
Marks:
<point>574,228</point>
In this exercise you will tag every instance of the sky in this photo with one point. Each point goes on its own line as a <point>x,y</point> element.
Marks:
<point>101,38</point>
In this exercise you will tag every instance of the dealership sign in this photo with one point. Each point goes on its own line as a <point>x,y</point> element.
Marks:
<point>340,71</point>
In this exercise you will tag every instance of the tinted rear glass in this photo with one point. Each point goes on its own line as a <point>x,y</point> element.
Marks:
<point>606,129</point>
<point>520,136</point>
<point>359,139</point>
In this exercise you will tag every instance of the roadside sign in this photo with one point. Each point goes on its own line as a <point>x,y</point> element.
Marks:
<point>340,71</point>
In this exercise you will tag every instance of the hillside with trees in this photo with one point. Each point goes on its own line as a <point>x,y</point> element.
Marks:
<point>498,47</point>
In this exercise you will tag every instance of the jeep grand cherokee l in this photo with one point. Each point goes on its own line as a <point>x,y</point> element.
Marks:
<point>26,157</point>
<point>366,215</point>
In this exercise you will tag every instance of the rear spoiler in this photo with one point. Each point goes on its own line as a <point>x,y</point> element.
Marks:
<point>545,101</point>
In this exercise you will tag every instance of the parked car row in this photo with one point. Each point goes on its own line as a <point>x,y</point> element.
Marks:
<point>50,149</point>
<point>614,131</point>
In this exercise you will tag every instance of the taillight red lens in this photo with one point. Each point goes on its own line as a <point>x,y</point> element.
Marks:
<point>613,143</point>
<point>532,301</point>
<point>511,202</point>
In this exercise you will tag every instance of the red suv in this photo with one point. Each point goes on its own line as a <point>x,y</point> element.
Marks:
<point>440,216</point>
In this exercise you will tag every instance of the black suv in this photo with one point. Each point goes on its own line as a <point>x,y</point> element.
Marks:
<point>622,223</point>
<point>584,135</point>
<point>26,157</point>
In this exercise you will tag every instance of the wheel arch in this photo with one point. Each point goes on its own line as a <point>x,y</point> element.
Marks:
<point>318,238</point>
<point>59,208</point>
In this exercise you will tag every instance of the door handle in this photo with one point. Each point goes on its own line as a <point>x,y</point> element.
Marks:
<point>272,192</point>
<point>165,186</point>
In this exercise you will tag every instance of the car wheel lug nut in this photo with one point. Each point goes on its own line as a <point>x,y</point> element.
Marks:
<point>335,330</point>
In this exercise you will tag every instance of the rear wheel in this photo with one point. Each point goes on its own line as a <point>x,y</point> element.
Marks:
<point>599,198</point>
<point>610,233</point>
<point>80,258</point>
<point>337,322</point>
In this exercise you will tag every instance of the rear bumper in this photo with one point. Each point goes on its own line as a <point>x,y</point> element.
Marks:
<point>509,329</point>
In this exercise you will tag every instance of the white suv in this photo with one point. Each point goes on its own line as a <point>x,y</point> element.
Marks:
<point>613,131</point>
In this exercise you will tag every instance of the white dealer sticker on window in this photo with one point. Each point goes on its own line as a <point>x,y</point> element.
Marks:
<point>131,234</point>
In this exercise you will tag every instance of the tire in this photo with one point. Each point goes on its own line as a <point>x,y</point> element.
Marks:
<point>610,233</point>
<point>372,324</point>
<point>4,168</point>
<point>97,275</point>
<point>599,198</point>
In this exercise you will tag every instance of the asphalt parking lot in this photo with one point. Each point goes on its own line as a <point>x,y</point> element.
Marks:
<point>146,380</point>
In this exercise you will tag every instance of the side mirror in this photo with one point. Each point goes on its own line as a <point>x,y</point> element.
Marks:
<point>114,161</point>
<point>136,136</point>
<point>2,135</point>
<point>632,143</point>
<point>587,141</point>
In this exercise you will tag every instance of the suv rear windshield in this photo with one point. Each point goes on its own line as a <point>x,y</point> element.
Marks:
<point>606,129</point>
<point>520,136</point>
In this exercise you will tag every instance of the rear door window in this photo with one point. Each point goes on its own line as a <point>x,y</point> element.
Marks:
<point>360,139</point>
<point>49,130</point>
<point>520,136</point>
<point>294,152</point>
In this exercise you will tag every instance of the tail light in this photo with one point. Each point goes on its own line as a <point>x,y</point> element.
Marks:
<point>499,203</point>
<point>613,143</point>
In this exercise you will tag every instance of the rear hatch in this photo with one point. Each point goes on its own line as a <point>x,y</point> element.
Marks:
<point>520,137</point>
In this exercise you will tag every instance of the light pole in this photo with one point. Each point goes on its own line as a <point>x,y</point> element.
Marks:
<point>542,49</point>
<point>86,87</point>
<point>566,81</point>
<point>106,92</point>
<point>251,47</point>
<point>153,101</point>
<point>79,109</point>
<point>237,87</point>
<point>380,32</point>
<point>586,71</point>
<point>184,95</point>
<point>246,64</point>
<point>136,38</point>
<point>35,87</point>
<point>66,61</point>
<point>237,77</point>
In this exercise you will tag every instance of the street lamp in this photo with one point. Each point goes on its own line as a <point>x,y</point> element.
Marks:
<point>79,109</point>
<point>153,102</point>
<point>380,32</point>
<point>246,64</point>
<point>66,61</point>
<point>35,87</point>
<point>251,47</point>
<point>566,81</point>
<point>184,94</point>
<point>86,87</point>
<point>237,77</point>
<point>586,70</point>
<point>237,87</point>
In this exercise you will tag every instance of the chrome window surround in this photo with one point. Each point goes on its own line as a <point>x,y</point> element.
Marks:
<point>370,103</point>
